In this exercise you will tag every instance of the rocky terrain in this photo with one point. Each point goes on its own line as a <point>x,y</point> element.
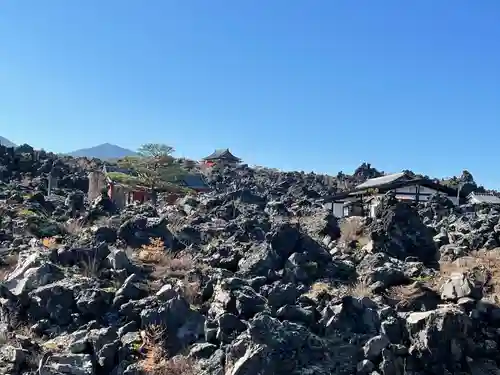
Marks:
<point>254,277</point>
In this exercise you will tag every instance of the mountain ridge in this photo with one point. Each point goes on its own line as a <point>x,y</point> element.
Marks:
<point>5,142</point>
<point>104,151</point>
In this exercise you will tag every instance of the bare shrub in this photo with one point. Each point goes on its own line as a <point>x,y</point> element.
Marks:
<point>165,264</point>
<point>178,365</point>
<point>170,266</point>
<point>154,336</point>
<point>153,252</point>
<point>157,361</point>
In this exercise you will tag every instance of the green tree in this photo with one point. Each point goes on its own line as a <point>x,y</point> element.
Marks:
<point>156,150</point>
<point>467,177</point>
<point>155,167</point>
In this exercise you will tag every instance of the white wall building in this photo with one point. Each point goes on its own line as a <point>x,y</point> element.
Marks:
<point>369,194</point>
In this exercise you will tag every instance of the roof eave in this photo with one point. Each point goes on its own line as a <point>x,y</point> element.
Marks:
<point>384,188</point>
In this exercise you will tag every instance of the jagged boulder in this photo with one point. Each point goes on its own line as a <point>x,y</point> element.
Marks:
<point>441,340</point>
<point>399,232</point>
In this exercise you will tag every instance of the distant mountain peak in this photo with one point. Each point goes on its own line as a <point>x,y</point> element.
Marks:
<point>6,142</point>
<point>103,151</point>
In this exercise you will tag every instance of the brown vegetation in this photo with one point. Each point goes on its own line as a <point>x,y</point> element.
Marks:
<point>486,260</point>
<point>401,293</point>
<point>165,264</point>
<point>178,365</point>
<point>319,290</point>
<point>352,229</point>
<point>157,360</point>
<point>407,296</point>
<point>49,242</point>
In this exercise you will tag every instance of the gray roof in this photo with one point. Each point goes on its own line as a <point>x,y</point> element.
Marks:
<point>195,181</point>
<point>221,154</point>
<point>487,198</point>
<point>114,168</point>
<point>380,181</point>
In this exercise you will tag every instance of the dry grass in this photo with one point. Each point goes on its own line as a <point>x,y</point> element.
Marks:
<point>73,227</point>
<point>352,230</point>
<point>91,268</point>
<point>359,289</point>
<point>191,291</point>
<point>320,290</point>
<point>489,261</point>
<point>49,242</point>
<point>8,264</point>
<point>400,292</point>
<point>157,361</point>
<point>460,265</point>
<point>165,264</point>
<point>177,267</point>
<point>404,294</point>
<point>178,365</point>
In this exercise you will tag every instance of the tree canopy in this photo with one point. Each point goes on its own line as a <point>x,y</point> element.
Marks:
<point>155,150</point>
<point>154,166</point>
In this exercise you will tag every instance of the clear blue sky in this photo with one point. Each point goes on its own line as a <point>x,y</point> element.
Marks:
<point>308,85</point>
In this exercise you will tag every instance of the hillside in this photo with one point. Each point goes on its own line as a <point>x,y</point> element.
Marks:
<point>254,277</point>
<point>105,151</point>
<point>6,142</point>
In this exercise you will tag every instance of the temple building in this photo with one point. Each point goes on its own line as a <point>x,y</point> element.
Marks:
<point>221,157</point>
